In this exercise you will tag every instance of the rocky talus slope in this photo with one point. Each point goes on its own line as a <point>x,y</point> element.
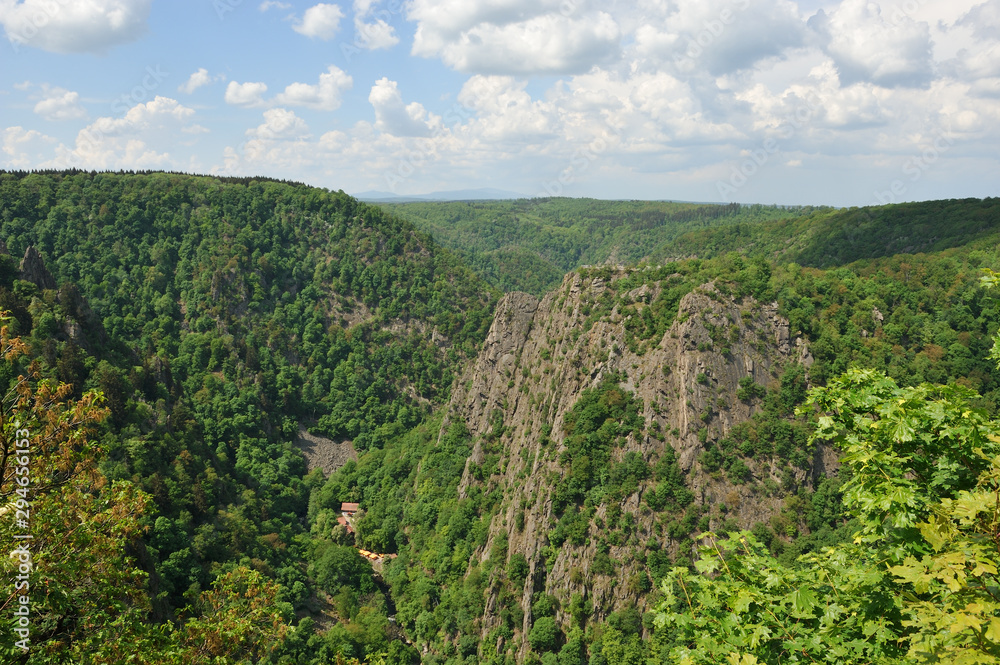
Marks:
<point>538,359</point>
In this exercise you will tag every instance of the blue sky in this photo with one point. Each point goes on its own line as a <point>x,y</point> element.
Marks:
<point>844,102</point>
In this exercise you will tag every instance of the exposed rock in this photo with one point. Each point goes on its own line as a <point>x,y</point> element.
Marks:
<point>323,453</point>
<point>533,367</point>
<point>33,270</point>
<point>81,325</point>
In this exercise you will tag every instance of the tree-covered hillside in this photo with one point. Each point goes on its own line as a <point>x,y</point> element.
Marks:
<point>529,244</point>
<point>216,317</point>
<point>168,335</point>
<point>831,238</point>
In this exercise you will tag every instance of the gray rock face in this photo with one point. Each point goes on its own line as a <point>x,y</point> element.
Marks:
<point>33,270</point>
<point>534,365</point>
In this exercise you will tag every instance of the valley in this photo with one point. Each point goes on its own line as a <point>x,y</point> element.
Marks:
<point>541,408</point>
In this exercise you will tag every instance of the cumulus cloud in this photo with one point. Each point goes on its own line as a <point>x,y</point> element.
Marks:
<point>245,94</point>
<point>324,96</point>
<point>23,148</point>
<point>140,139</point>
<point>372,35</point>
<point>280,125</point>
<point>505,111</point>
<point>142,116</point>
<point>816,105</point>
<point>197,80</point>
<point>393,116</point>
<point>63,26</point>
<point>977,61</point>
<point>984,20</point>
<point>320,21</point>
<point>273,4</point>
<point>522,37</point>
<point>865,46</point>
<point>60,104</point>
<point>720,36</point>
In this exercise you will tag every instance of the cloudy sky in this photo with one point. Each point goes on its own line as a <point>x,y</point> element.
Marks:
<point>846,102</point>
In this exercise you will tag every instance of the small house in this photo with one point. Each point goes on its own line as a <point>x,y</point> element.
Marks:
<point>342,521</point>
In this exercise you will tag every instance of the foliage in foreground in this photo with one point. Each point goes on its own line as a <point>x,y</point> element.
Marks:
<point>81,590</point>
<point>918,584</point>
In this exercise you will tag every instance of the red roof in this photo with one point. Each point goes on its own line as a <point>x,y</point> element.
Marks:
<point>349,507</point>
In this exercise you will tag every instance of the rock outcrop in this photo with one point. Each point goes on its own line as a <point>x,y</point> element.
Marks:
<point>538,359</point>
<point>33,270</point>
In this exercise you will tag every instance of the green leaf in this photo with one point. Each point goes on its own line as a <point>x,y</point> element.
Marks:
<point>743,601</point>
<point>803,602</point>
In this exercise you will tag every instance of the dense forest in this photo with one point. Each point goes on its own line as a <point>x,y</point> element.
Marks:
<point>168,338</point>
<point>529,244</point>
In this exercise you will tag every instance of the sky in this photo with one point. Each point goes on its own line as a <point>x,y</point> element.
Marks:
<point>845,103</point>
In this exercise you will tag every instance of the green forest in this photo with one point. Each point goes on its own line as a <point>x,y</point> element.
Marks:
<point>167,337</point>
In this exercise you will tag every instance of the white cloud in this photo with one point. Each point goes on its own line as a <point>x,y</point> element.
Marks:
<point>810,109</point>
<point>372,35</point>
<point>142,116</point>
<point>197,80</point>
<point>280,125</point>
<point>320,21</point>
<point>977,57</point>
<point>245,94</point>
<point>272,4</point>
<point>505,111</point>
<point>140,139</point>
<point>720,36</point>
<point>362,7</point>
<point>984,20</point>
<point>324,96</point>
<point>60,104</point>
<point>393,116</point>
<point>69,26</point>
<point>867,47</point>
<point>523,37</point>
<point>23,148</point>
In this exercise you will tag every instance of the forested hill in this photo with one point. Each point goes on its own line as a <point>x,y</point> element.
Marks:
<point>529,244</point>
<point>217,318</point>
<point>830,238</point>
<point>262,281</point>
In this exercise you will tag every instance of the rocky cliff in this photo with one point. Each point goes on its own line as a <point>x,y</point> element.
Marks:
<point>536,363</point>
